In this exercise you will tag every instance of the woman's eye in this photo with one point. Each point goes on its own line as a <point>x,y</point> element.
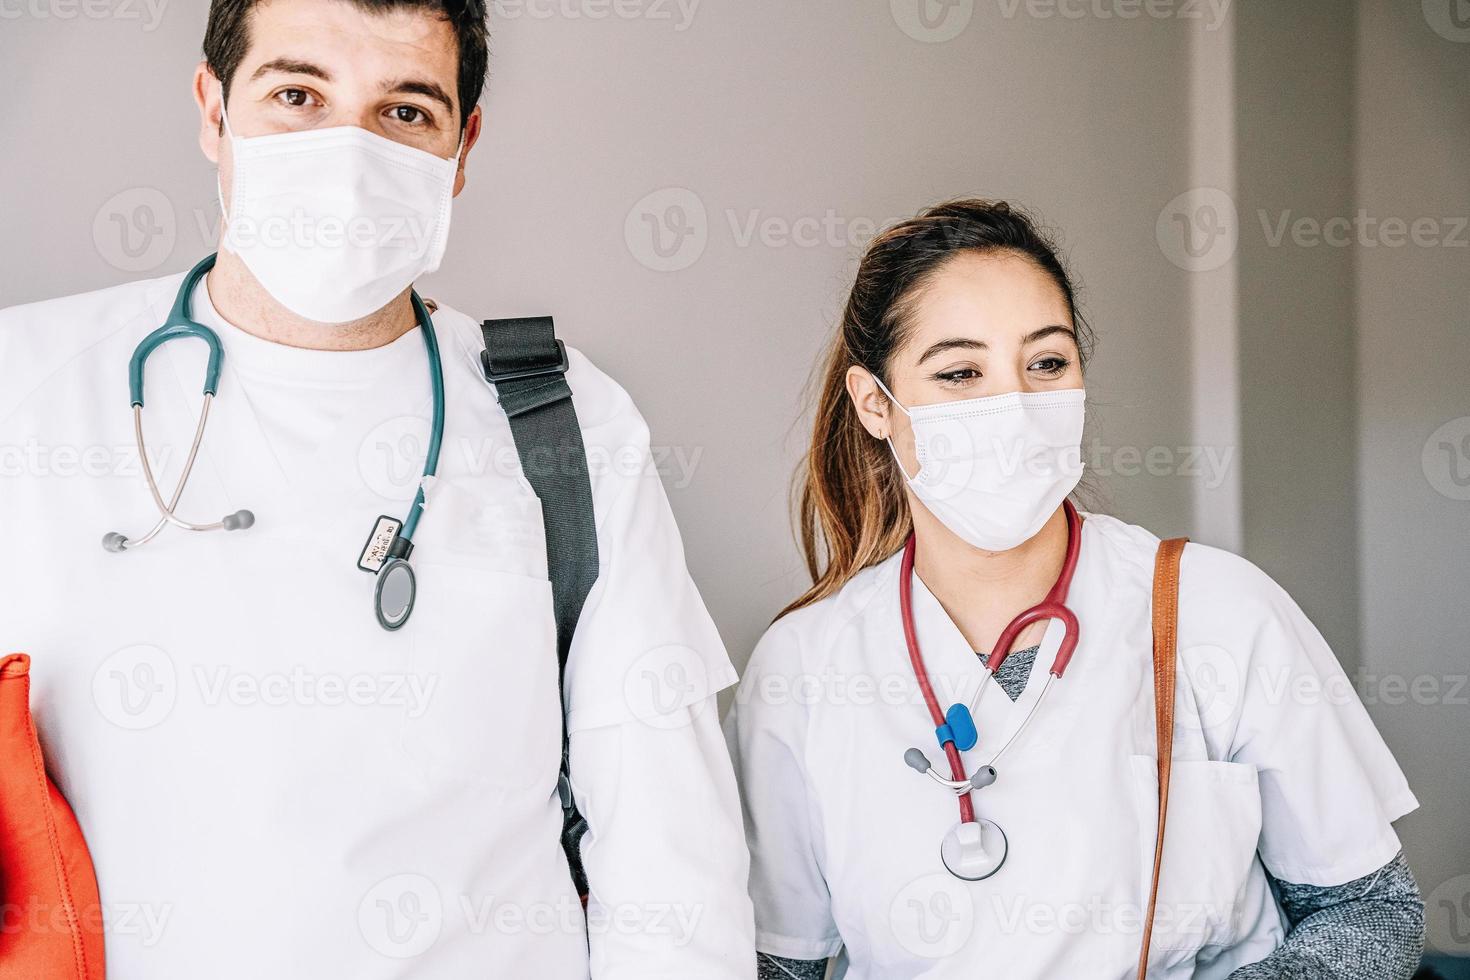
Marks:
<point>1051,365</point>
<point>958,376</point>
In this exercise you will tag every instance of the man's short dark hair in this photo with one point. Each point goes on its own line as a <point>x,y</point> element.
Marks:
<point>227,38</point>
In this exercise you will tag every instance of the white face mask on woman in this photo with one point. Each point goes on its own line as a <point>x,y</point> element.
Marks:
<point>994,470</point>
<point>335,223</point>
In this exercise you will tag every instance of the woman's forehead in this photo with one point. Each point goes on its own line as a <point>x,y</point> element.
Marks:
<point>993,297</point>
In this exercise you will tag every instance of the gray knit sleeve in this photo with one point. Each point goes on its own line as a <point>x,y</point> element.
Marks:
<point>780,968</point>
<point>1371,927</point>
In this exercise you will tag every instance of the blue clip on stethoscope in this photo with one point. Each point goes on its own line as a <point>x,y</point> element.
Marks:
<point>975,848</point>
<point>389,546</point>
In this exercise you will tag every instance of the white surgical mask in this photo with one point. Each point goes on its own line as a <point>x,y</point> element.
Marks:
<point>994,470</point>
<point>335,223</point>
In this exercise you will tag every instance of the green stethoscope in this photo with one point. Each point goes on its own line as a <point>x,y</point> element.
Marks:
<point>388,548</point>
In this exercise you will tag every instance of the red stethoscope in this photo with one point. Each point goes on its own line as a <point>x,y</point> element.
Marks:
<point>976,848</point>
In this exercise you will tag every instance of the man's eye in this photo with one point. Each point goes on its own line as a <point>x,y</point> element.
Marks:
<point>409,115</point>
<point>294,97</point>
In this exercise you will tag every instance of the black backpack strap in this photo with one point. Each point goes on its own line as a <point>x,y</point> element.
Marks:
<point>528,367</point>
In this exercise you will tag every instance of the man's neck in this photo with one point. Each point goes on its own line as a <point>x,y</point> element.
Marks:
<point>240,299</point>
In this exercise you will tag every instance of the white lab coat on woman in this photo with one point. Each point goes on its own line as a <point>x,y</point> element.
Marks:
<point>1277,767</point>
<point>272,785</point>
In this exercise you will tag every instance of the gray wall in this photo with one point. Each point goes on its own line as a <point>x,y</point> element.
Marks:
<point>757,114</point>
<point>1413,165</point>
<point>785,131</point>
<point>1294,86</point>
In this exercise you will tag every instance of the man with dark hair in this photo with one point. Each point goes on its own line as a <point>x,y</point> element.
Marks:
<point>285,767</point>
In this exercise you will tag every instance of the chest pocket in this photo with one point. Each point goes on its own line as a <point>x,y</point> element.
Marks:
<point>1209,850</point>
<point>483,643</point>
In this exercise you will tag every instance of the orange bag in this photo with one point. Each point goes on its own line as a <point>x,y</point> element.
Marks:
<point>50,912</point>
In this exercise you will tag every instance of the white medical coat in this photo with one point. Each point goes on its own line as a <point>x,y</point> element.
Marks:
<point>1277,766</point>
<point>273,786</point>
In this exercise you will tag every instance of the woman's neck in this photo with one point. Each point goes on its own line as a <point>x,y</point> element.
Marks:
<point>982,591</point>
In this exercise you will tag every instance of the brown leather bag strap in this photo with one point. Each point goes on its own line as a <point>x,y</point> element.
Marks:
<point>1166,644</point>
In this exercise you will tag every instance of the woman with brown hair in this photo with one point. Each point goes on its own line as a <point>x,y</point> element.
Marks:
<point>934,510</point>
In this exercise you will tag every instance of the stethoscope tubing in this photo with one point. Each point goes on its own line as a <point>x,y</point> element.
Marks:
<point>1052,607</point>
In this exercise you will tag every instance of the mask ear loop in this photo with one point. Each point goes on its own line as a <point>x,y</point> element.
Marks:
<point>889,439</point>
<point>219,189</point>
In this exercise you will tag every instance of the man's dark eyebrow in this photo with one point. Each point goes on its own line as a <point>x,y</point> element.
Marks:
<point>416,86</point>
<point>290,66</point>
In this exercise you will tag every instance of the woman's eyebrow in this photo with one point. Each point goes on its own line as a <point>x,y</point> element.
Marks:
<point>954,343</point>
<point>1047,331</point>
<point>969,343</point>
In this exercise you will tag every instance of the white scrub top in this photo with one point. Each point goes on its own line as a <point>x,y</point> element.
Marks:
<point>1277,767</point>
<point>270,784</point>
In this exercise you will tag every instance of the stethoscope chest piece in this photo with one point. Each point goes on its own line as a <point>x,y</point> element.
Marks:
<point>974,850</point>
<point>394,593</point>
